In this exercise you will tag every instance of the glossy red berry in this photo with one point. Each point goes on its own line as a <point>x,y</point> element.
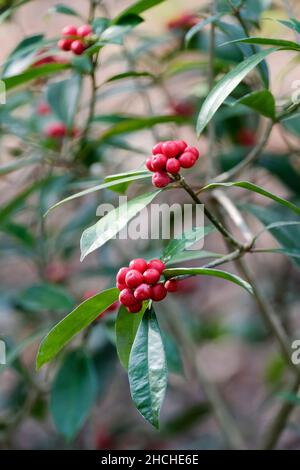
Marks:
<point>133,278</point>
<point>84,30</point>
<point>127,298</point>
<point>182,145</point>
<point>69,30</point>
<point>65,44</point>
<point>159,162</point>
<point>173,165</point>
<point>135,308</point>
<point>158,292</point>
<point>77,47</point>
<point>160,179</point>
<point>157,149</point>
<point>121,275</point>
<point>170,149</point>
<point>151,276</point>
<point>142,292</point>
<point>187,159</point>
<point>193,150</point>
<point>157,264</point>
<point>171,285</point>
<point>121,286</point>
<point>139,264</point>
<point>149,164</point>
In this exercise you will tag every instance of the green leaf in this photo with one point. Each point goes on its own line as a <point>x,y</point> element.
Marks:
<point>138,123</point>
<point>137,8</point>
<point>188,239</point>
<point>45,297</point>
<point>282,43</point>
<point>111,224</point>
<point>110,184</point>
<point>63,98</point>
<point>32,74</point>
<point>64,10</point>
<point>256,189</point>
<point>291,23</point>
<point>147,370</point>
<point>225,86</point>
<point>126,328</point>
<point>173,358</point>
<point>199,26</point>
<point>122,187</point>
<point>73,393</point>
<point>261,101</point>
<point>21,56</point>
<point>115,33</point>
<point>100,24</point>
<point>178,272</point>
<point>192,255</point>
<point>73,323</point>
<point>129,74</point>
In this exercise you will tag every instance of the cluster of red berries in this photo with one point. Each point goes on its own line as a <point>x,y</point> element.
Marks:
<point>75,39</point>
<point>140,282</point>
<point>169,157</point>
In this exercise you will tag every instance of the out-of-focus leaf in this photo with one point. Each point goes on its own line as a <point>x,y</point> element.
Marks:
<point>147,370</point>
<point>73,393</point>
<point>73,323</point>
<point>172,353</point>
<point>291,23</point>
<point>199,26</point>
<point>112,223</point>
<point>115,33</point>
<point>63,97</point>
<point>178,272</point>
<point>45,297</point>
<point>282,43</point>
<point>137,8</point>
<point>186,419</point>
<point>64,10</point>
<point>32,74</point>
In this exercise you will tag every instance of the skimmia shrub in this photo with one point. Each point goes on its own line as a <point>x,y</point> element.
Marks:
<point>75,150</point>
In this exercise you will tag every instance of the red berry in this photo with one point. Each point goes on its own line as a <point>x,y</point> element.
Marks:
<point>65,44</point>
<point>69,31</point>
<point>159,162</point>
<point>121,286</point>
<point>171,285</point>
<point>173,165</point>
<point>193,150</point>
<point>157,264</point>
<point>135,308</point>
<point>187,159</point>
<point>77,47</point>
<point>160,179</point>
<point>149,164</point>
<point>142,292</point>
<point>43,109</point>
<point>127,298</point>
<point>84,30</point>
<point>56,130</point>
<point>157,149</point>
<point>133,278</point>
<point>158,292</point>
<point>182,145</point>
<point>151,276</point>
<point>170,149</point>
<point>121,275</point>
<point>139,264</point>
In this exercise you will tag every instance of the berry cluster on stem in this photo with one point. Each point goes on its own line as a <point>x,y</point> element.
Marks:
<point>75,39</point>
<point>141,281</point>
<point>167,160</point>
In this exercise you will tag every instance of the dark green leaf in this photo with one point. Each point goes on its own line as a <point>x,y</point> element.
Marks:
<point>225,86</point>
<point>115,33</point>
<point>73,393</point>
<point>147,370</point>
<point>176,246</point>
<point>199,26</point>
<point>282,43</point>
<point>64,10</point>
<point>261,101</point>
<point>173,358</point>
<point>32,74</point>
<point>63,98</point>
<point>121,187</point>
<point>45,297</point>
<point>178,272</point>
<point>137,8</point>
<point>126,328</point>
<point>291,23</point>
<point>111,224</point>
<point>73,323</point>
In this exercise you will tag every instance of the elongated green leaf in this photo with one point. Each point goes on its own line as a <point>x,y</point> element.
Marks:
<point>192,255</point>
<point>64,10</point>
<point>199,26</point>
<point>176,246</point>
<point>126,328</point>
<point>133,125</point>
<point>32,74</point>
<point>225,86</point>
<point>147,370</point>
<point>73,393</point>
<point>291,23</point>
<point>63,97</point>
<point>137,8</point>
<point>20,163</point>
<point>177,272</point>
<point>115,33</point>
<point>291,45</point>
<point>98,188</point>
<point>73,323</point>
<point>111,224</point>
<point>262,101</point>
<point>255,189</point>
<point>121,186</point>
<point>129,74</point>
